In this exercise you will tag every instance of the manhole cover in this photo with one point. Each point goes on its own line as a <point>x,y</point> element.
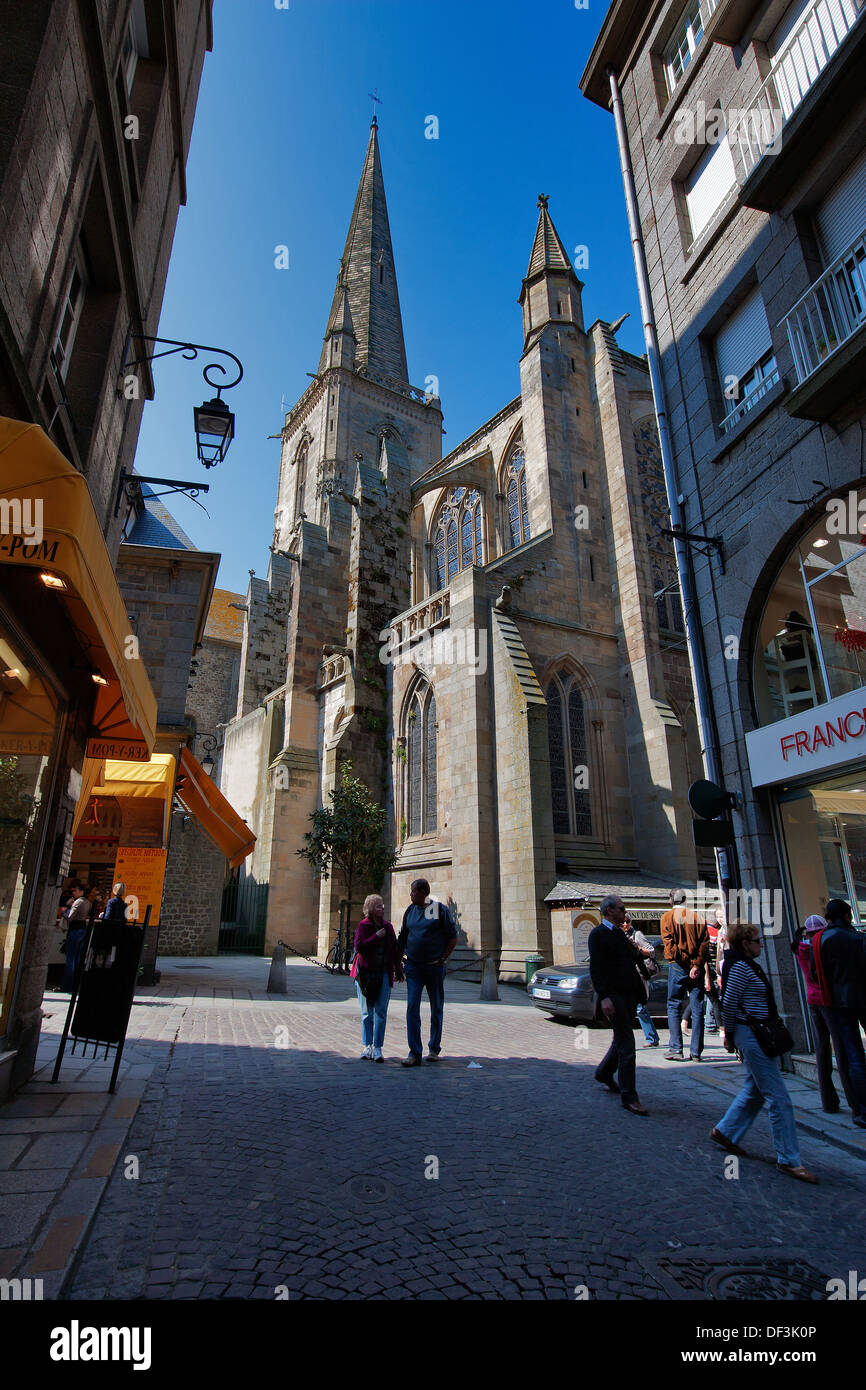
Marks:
<point>368,1189</point>
<point>766,1280</point>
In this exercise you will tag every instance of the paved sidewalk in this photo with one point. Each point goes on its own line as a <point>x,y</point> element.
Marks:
<point>271,1162</point>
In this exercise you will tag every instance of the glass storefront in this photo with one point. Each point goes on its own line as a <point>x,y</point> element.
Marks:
<point>31,714</point>
<point>824,829</point>
<point>812,641</point>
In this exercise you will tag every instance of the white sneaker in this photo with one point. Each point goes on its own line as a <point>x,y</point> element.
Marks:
<point>377,1055</point>
<point>367,1054</point>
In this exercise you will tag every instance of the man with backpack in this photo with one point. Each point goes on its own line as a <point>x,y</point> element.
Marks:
<point>427,937</point>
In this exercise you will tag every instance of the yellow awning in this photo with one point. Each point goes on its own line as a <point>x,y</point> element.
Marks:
<point>131,780</point>
<point>204,800</point>
<point>840,803</point>
<point>62,539</point>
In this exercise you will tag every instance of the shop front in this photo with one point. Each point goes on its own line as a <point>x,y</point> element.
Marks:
<point>808,758</point>
<point>73,693</point>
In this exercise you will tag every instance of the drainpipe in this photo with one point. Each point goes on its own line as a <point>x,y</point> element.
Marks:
<point>694,631</point>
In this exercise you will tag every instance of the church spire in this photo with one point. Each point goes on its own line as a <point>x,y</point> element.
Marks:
<point>551,290</point>
<point>365,300</point>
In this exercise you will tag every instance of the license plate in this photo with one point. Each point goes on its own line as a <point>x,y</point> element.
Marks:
<point>541,993</point>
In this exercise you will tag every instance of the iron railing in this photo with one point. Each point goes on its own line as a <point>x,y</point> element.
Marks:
<point>824,27</point>
<point>830,311</point>
<point>749,402</point>
<point>243,917</point>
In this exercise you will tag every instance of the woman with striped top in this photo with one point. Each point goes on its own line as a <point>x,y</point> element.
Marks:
<point>747,995</point>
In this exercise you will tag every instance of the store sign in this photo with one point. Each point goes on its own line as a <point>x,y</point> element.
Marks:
<point>38,744</point>
<point>126,751</point>
<point>142,872</point>
<point>813,741</point>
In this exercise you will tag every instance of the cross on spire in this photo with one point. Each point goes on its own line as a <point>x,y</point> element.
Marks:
<point>543,199</point>
<point>377,101</point>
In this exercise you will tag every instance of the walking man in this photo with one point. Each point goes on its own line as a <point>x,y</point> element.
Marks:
<point>613,966</point>
<point>687,948</point>
<point>427,937</point>
<point>841,959</point>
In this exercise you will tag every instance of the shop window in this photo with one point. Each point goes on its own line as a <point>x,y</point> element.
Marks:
<point>824,830</point>
<point>811,643</point>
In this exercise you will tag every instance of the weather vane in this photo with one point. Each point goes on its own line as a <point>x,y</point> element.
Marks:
<point>377,101</point>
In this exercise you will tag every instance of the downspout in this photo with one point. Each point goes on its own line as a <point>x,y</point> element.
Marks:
<point>694,631</point>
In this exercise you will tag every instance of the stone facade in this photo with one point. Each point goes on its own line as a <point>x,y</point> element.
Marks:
<point>741,483</point>
<point>435,678</point>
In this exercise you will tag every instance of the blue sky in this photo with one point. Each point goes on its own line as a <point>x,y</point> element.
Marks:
<point>278,143</point>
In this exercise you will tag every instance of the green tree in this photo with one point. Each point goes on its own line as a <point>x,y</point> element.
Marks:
<point>348,837</point>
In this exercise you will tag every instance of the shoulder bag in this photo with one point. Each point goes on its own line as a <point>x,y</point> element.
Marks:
<point>771,1033</point>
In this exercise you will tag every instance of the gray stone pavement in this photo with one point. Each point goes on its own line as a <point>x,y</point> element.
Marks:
<point>272,1162</point>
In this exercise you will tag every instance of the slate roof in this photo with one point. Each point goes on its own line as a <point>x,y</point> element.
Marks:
<point>548,252</point>
<point>632,887</point>
<point>155,525</point>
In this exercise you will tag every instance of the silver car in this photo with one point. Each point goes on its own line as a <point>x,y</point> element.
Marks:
<point>565,991</point>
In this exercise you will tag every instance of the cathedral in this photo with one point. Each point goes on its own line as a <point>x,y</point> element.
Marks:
<point>493,637</point>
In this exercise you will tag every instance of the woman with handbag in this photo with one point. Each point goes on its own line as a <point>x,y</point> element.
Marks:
<point>753,1027</point>
<point>375,967</point>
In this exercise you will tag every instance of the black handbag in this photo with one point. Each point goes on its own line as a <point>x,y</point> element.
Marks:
<point>771,1033</point>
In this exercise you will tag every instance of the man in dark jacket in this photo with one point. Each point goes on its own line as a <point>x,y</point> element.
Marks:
<point>613,966</point>
<point>687,948</point>
<point>427,937</point>
<point>842,964</point>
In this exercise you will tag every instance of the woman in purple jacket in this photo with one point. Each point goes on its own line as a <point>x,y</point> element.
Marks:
<point>375,968</point>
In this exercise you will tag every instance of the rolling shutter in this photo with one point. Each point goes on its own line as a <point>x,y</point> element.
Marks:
<point>841,217</point>
<point>744,339</point>
<point>708,185</point>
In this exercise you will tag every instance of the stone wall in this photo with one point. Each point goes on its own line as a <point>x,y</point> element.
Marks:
<point>194,877</point>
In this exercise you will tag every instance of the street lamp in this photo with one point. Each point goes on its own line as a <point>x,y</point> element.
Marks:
<point>209,744</point>
<point>214,431</point>
<point>214,422</point>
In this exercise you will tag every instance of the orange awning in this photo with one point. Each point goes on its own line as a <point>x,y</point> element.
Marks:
<point>131,781</point>
<point>62,539</point>
<point>92,772</point>
<point>204,800</point>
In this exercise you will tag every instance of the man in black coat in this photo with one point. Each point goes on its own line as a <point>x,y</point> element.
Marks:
<point>613,962</point>
<point>842,951</point>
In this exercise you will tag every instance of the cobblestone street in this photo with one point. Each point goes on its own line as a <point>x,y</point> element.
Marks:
<point>269,1170</point>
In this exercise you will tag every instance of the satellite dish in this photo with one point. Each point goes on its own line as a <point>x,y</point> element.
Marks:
<point>707,800</point>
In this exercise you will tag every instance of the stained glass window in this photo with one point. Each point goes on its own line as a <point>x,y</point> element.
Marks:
<point>415,737</point>
<point>421,781</point>
<point>453,565</point>
<point>556,749</point>
<point>569,758</point>
<point>430,764</point>
<point>515,492</point>
<point>579,761</point>
<point>466,558</point>
<point>458,530</point>
<point>302,481</point>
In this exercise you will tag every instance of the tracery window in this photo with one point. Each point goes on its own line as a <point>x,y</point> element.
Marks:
<point>515,494</point>
<point>458,530</point>
<point>421,782</point>
<point>569,761</point>
<point>300,480</point>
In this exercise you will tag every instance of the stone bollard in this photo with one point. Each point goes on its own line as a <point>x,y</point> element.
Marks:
<point>277,977</point>
<point>489,988</point>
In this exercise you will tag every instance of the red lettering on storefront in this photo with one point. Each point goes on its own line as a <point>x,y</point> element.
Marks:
<point>835,729</point>
<point>855,714</point>
<point>802,739</point>
<point>818,737</point>
<point>785,742</point>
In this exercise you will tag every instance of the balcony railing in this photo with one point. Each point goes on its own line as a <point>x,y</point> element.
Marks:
<point>830,312</point>
<point>749,402</point>
<point>411,626</point>
<point>824,27</point>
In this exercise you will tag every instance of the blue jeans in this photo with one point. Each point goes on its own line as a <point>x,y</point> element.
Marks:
<point>764,1083</point>
<point>374,1016</point>
<point>419,978</point>
<point>74,942</point>
<point>681,987</point>
<point>644,1018</point>
<point>844,1028</point>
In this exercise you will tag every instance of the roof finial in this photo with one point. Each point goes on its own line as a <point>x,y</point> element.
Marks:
<point>376,100</point>
<point>543,200</point>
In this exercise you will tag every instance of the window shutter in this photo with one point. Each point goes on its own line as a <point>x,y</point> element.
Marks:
<point>744,339</point>
<point>708,185</point>
<point>842,215</point>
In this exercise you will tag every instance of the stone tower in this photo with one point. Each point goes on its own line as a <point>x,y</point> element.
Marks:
<point>312,689</point>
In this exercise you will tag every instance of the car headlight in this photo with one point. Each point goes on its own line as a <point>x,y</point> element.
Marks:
<point>569,982</point>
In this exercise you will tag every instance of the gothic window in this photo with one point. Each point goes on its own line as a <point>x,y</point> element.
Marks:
<point>421,781</point>
<point>569,757</point>
<point>457,532</point>
<point>515,493</point>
